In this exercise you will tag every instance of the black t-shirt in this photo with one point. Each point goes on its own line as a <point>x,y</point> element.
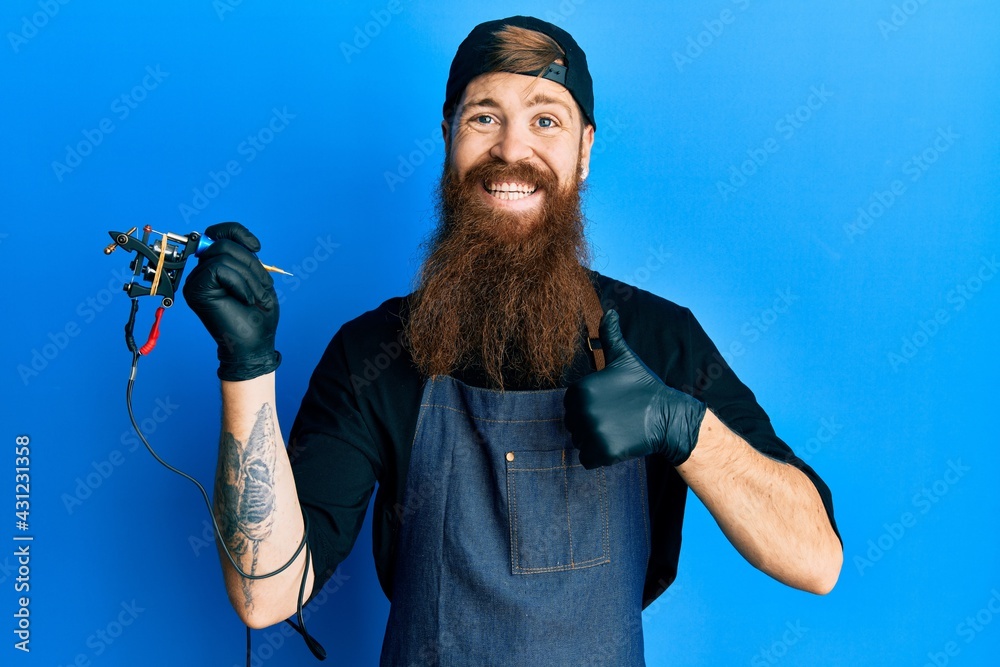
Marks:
<point>357,421</point>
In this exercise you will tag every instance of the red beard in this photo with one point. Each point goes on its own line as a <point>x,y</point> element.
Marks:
<point>502,292</point>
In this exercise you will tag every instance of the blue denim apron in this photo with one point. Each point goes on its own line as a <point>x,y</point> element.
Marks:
<point>510,552</point>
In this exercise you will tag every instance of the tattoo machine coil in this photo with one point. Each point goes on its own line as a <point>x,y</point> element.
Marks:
<point>157,269</point>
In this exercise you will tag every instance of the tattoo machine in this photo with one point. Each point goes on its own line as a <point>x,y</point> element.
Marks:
<point>156,271</point>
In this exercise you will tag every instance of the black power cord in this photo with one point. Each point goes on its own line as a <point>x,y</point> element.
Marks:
<point>314,646</point>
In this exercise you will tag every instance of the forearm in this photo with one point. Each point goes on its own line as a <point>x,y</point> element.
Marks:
<point>770,511</point>
<point>256,505</point>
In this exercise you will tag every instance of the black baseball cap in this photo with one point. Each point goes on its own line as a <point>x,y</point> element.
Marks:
<point>474,58</point>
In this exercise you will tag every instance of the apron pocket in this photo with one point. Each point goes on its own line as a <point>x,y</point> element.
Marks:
<point>558,512</point>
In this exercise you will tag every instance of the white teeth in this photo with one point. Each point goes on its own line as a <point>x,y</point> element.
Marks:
<point>510,191</point>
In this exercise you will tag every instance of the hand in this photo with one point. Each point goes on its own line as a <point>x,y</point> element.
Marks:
<point>625,411</point>
<point>234,297</point>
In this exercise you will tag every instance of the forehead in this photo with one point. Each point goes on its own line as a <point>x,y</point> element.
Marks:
<point>513,91</point>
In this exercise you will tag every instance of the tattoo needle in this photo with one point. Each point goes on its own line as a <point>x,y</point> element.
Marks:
<point>204,242</point>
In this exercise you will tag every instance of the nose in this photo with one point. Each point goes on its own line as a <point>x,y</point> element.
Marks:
<point>513,144</point>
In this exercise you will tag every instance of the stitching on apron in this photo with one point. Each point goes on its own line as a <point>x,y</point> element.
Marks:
<point>603,496</point>
<point>569,522</point>
<point>600,560</point>
<point>607,528</point>
<point>512,521</point>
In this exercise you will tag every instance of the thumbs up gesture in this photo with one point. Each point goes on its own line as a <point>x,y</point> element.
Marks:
<point>625,411</point>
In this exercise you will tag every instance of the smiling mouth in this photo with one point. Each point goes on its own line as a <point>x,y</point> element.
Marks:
<point>509,191</point>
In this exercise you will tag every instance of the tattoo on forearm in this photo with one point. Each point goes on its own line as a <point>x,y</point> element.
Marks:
<point>244,493</point>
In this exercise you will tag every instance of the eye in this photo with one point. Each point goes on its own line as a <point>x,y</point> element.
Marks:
<point>546,122</point>
<point>483,119</point>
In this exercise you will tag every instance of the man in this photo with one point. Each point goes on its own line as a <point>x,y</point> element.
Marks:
<point>530,499</point>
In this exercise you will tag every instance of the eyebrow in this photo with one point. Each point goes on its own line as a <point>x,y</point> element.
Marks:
<point>542,98</point>
<point>535,100</point>
<point>488,102</point>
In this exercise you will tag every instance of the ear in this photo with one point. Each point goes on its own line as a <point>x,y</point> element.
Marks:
<point>446,135</point>
<point>586,145</point>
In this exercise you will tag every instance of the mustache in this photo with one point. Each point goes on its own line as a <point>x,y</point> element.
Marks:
<point>497,171</point>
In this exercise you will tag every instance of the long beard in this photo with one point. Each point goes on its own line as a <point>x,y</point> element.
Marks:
<point>499,292</point>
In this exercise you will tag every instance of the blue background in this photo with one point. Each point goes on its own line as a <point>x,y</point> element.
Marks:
<point>868,218</point>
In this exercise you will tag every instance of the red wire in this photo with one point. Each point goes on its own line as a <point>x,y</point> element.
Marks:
<point>154,333</point>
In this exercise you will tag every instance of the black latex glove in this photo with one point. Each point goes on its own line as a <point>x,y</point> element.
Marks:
<point>233,295</point>
<point>625,411</point>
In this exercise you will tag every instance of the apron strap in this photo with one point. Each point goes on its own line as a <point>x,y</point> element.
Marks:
<point>592,313</point>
